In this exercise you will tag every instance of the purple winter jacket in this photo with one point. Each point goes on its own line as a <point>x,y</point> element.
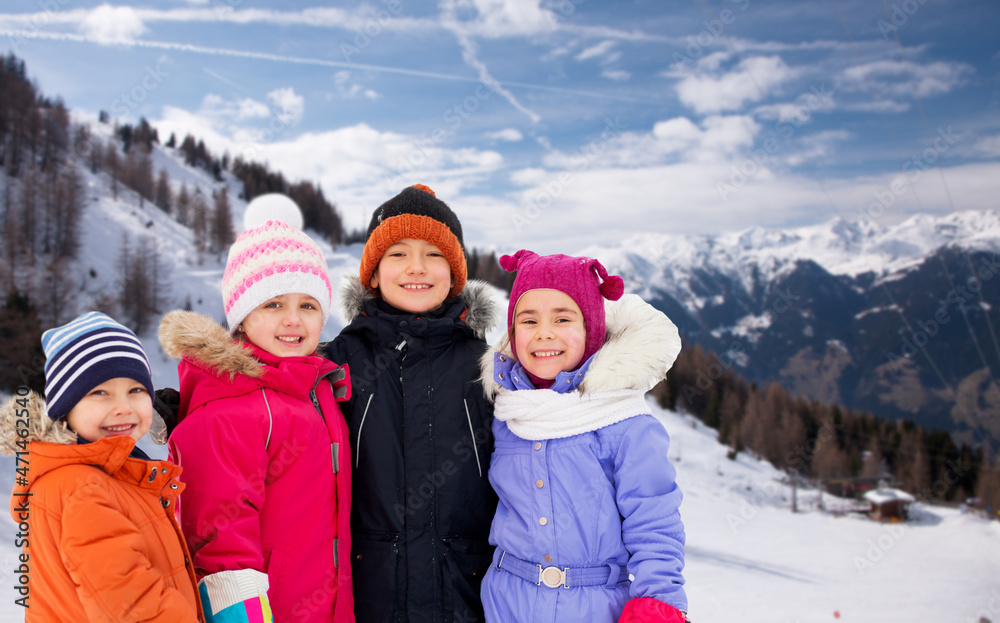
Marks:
<point>584,481</point>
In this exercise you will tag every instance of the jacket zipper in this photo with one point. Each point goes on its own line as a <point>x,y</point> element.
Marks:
<point>357,450</point>
<point>472,431</point>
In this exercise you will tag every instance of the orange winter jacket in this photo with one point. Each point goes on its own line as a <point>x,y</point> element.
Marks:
<point>99,532</point>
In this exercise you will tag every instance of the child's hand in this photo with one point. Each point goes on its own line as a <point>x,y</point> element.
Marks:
<point>649,610</point>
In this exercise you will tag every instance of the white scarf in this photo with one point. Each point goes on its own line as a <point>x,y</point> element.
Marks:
<point>544,414</point>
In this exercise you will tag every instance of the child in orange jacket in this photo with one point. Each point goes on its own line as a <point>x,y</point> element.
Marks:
<point>100,540</point>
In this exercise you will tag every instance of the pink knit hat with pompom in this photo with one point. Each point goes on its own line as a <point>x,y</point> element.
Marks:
<point>583,279</point>
<point>271,258</point>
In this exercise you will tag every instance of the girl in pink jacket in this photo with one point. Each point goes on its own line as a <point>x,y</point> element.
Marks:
<point>260,435</point>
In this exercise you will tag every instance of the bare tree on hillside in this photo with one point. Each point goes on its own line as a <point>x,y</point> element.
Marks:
<point>184,206</point>
<point>199,221</point>
<point>163,198</point>
<point>139,168</point>
<point>29,212</point>
<point>113,163</point>
<point>56,293</point>
<point>222,222</point>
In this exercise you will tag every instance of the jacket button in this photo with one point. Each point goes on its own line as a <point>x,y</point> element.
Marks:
<point>502,358</point>
<point>173,486</point>
<point>543,521</point>
<point>539,484</point>
<point>548,558</point>
<point>501,376</point>
<point>538,445</point>
<point>165,503</point>
<point>152,475</point>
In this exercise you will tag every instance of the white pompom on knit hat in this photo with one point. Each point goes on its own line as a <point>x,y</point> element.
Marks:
<point>273,257</point>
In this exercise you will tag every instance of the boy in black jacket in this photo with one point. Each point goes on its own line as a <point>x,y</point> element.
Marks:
<point>420,425</point>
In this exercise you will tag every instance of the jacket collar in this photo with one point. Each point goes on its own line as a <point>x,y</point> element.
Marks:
<point>215,365</point>
<point>475,307</point>
<point>52,445</point>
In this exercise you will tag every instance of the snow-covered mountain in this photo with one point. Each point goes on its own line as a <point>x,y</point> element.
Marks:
<point>896,320</point>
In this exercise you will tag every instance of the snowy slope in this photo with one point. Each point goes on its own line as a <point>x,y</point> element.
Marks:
<point>749,559</point>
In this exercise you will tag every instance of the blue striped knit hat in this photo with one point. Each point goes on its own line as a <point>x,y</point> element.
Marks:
<point>88,351</point>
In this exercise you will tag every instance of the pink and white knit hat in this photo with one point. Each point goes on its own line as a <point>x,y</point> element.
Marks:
<point>270,258</point>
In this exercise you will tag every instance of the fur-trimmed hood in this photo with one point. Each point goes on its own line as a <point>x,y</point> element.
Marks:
<point>482,312</point>
<point>640,347</point>
<point>215,365</point>
<point>185,334</point>
<point>40,427</point>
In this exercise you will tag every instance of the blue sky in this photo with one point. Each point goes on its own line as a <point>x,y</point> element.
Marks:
<point>556,124</point>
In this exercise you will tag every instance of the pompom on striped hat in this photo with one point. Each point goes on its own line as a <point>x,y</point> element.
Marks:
<point>270,258</point>
<point>90,350</point>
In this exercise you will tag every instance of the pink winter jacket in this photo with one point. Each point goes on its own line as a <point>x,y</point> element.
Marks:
<point>265,454</point>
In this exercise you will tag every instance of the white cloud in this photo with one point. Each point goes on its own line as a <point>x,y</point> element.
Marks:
<point>706,92</point>
<point>501,18</point>
<point>289,104</point>
<point>342,79</point>
<point>619,75</point>
<point>112,25</point>
<point>679,132</point>
<point>358,165</point>
<point>893,78</point>
<point>988,146</point>
<point>216,107</point>
<point>509,135</point>
<point>596,51</point>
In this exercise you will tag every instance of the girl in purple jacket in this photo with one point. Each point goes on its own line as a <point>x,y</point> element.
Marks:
<point>588,527</point>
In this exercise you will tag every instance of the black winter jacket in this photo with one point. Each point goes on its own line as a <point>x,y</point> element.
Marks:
<point>421,439</point>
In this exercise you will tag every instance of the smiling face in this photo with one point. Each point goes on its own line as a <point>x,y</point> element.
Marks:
<point>119,407</point>
<point>413,275</point>
<point>549,333</point>
<point>285,326</point>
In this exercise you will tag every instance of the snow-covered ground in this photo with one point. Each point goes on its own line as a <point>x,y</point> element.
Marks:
<point>749,558</point>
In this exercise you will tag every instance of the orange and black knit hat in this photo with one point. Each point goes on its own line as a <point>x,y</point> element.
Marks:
<point>415,213</point>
